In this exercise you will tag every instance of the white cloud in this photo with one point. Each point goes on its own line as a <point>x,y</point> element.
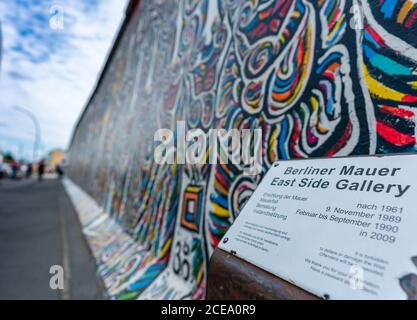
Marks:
<point>52,73</point>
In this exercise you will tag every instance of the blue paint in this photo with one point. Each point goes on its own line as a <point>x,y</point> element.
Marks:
<point>385,64</point>
<point>388,8</point>
<point>328,7</point>
<point>369,38</point>
<point>282,138</point>
<point>220,201</point>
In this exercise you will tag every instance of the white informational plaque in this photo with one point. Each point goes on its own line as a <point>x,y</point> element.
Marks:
<point>341,228</point>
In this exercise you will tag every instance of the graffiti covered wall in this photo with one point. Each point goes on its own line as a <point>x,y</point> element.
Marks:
<point>321,78</point>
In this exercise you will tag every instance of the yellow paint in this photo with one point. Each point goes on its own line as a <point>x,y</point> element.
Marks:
<point>339,22</point>
<point>220,211</point>
<point>220,187</point>
<point>166,247</point>
<point>200,274</point>
<point>314,103</point>
<point>193,189</point>
<point>379,90</point>
<point>272,145</point>
<point>413,84</point>
<point>405,9</point>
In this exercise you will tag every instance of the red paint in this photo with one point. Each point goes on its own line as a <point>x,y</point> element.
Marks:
<point>221,179</point>
<point>296,137</point>
<point>409,99</point>
<point>375,35</point>
<point>260,30</point>
<point>411,19</point>
<point>393,136</point>
<point>274,25</point>
<point>330,75</point>
<point>402,113</point>
<point>336,15</point>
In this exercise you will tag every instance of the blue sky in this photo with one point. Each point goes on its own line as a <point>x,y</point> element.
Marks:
<point>53,52</point>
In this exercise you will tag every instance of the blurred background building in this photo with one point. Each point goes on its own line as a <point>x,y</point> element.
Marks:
<point>55,157</point>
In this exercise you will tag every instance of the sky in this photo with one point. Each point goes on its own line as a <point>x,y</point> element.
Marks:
<point>52,55</point>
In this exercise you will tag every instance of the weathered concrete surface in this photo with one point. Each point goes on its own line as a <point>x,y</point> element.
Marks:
<point>39,228</point>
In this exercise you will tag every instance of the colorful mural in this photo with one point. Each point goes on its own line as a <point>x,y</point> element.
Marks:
<point>321,78</point>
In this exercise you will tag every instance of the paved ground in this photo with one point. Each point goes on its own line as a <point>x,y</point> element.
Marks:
<point>38,229</point>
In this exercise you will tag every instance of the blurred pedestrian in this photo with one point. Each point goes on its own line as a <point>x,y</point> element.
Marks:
<point>2,168</point>
<point>29,170</point>
<point>15,169</point>
<point>41,169</point>
<point>60,170</point>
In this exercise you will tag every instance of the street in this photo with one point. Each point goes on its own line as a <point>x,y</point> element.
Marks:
<point>39,229</point>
